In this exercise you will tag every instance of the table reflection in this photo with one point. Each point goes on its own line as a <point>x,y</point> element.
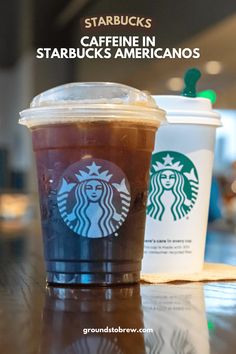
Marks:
<point>69,315</point>
<point>174,315</point>
<point>177,315</point>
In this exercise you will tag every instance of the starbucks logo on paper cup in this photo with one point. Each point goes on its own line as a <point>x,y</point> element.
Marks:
<point>173,186</point>
<point>94,198</point>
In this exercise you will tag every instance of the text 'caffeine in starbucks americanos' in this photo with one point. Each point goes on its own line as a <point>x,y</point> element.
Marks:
<point>118,46</point>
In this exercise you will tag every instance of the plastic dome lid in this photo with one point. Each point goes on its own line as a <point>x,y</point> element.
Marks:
<point>91,101</point>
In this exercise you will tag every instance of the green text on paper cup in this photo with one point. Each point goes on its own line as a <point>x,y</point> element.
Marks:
<point>174,186</point>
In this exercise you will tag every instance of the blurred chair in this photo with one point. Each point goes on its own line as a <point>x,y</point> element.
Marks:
<point>4,172</point>
<point>215,209</point>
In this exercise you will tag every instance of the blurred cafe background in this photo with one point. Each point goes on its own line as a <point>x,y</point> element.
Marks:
<point>29,24</point>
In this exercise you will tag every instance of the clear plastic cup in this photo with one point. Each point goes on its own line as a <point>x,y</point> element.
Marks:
<point>93,144</point>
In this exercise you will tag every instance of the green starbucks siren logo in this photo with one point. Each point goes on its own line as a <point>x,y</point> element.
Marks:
<point>173,186</point>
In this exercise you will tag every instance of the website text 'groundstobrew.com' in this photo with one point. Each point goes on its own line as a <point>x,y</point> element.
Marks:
<point>117,330</point>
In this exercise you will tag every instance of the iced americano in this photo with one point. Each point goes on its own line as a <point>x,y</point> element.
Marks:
<point>93,144</point>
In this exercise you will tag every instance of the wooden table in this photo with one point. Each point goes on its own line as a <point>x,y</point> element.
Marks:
<point>184,318</point>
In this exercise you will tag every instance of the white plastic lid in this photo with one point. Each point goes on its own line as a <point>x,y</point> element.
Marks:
<point>90,101</point>
<point>187,110</point>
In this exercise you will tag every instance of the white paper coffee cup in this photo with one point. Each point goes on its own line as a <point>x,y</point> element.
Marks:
<point>180,181</point>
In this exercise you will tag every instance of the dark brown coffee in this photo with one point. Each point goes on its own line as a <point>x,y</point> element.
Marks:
<point>93,179</point>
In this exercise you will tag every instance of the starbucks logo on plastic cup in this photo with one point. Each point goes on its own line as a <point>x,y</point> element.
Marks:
<point>174,186</point>
<point>94,198</point>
